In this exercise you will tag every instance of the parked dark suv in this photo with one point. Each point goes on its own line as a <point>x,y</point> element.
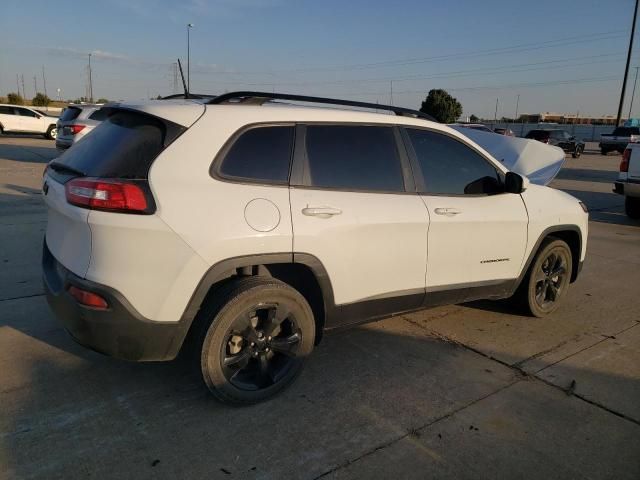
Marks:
<point>558,138</point>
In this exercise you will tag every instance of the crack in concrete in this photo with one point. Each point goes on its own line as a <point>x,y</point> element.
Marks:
<point>411,432</point>
<point>24,296</point>
<point>526,375</point>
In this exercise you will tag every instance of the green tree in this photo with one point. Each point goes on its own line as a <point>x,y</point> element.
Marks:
<point>102,100</point>
<point>473,118</point>
<point>15,98</point>
<point>40,100</point>
<point>442,106</point>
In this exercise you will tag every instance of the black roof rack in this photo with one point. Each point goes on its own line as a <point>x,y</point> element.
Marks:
<point>190,95</point>
<point>261,97</point>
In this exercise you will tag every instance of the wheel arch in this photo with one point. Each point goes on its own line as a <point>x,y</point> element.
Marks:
<point>571,235</point>
<point>301,271</point>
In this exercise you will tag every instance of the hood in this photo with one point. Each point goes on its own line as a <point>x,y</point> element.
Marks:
<point>539,162</point>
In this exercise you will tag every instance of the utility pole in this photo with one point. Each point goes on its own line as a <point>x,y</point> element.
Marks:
<point>90,82</point>
<point>626,68</point>
<point>189,27</point>
<point>495,115</point>
<point>44,81</point>
<point>24,94</point>
<point>515,118</point>
<point>35,86</point>
<point>391,92</point>
<point>633,93</point>
<point>18,83</point>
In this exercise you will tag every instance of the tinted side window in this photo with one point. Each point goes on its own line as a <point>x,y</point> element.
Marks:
<point>25,113</point>
<point>353,158</point>
<point>6,110</point>
<point>261,153</point>
<point>451,167</point>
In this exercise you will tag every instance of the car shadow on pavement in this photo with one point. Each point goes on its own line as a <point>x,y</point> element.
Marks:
<point>604,207</point>
<point>74,413</point>
<point>28,153</point>
<point>587,175</point>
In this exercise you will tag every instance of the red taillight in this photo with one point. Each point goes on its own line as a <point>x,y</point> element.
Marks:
<point>88,299</point>
<point>106,194</point>
<point>624,164</point>
<point>76,128</point>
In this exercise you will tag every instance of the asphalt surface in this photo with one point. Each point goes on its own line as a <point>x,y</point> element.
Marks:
<point>469,391</point>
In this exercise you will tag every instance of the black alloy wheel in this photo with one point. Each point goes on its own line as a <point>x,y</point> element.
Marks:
<point>257,333</point>
<point>261,347</point>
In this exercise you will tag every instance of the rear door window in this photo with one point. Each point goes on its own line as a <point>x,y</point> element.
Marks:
<point>260,154</point>
<point>355,157</point>
<point>6,110</point>
<point>124,146</point>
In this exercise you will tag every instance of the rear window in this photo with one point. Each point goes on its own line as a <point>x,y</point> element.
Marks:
<point>538,134</point>
<point>70,113</point>
<point>124,146</point>
<point>100,114</point>
<point>626,131</point>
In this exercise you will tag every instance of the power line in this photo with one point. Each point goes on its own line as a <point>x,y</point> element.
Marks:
<point>546,65</point>
<point>585,38</point>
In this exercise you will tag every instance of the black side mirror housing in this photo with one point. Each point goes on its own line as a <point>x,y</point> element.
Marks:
<point>513,183</point>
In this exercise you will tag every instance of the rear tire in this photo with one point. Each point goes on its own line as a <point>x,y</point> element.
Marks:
<point>632,207</point>
<point>52,132</point>
<point>604,151</point>
<point>547,280</point>
<point>257,333</point>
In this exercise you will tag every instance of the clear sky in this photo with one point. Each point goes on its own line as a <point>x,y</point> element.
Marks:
<point>558,55</point>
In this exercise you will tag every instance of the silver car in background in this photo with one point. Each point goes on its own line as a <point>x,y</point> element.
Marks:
<point>76,121</point>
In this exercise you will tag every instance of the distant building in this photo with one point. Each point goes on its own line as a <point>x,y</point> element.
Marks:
<point>567,118</point>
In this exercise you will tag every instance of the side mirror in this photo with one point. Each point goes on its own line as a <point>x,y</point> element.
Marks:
<point>514,183</point>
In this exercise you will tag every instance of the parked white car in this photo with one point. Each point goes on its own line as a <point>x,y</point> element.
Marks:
<point>20,119</point>
<point>628,183</point>
<point>250,227</point>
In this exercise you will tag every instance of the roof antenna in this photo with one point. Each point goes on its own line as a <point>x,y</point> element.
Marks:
<point>184,84</point>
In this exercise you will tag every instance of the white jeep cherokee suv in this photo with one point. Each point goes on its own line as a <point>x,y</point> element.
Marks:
<point>249,227</point>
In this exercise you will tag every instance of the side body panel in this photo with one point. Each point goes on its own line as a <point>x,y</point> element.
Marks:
<point>549,208</point>
<point>376,247</point>
<point>483,241</point>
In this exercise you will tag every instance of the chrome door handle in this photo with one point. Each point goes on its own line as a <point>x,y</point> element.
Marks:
<point>449,212</point>
<point>322,212</point>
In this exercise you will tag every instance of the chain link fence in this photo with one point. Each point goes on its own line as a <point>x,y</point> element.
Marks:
<point>586,133</point>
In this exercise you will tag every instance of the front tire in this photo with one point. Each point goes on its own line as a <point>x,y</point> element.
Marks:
<point>259,333</point>
<point>577,152</point>
<point>52,132</point>
<point>547,281</point>
<point>632,207</point>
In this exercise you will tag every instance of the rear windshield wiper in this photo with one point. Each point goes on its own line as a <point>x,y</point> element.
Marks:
<point>61,167</point>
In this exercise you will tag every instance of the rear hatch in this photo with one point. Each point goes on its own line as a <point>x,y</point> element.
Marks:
<point>107,171</point>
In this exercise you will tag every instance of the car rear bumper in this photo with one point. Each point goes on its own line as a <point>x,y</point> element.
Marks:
<point>630,188</point>
<point>63,144</point>
<point>119,331</point>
